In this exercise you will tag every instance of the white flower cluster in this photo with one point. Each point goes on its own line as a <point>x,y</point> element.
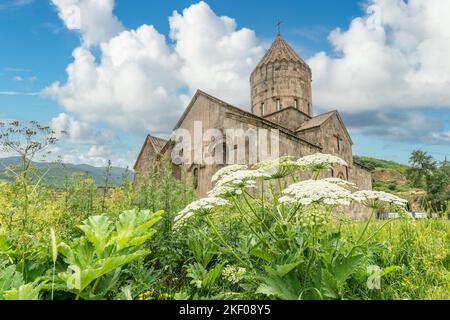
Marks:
<point>229,181</point>
<point>204,204</point>
<point>321,161</point>
<point>241,177</point>
<point>341,183</point>
<point>233,182</point>
<point>278,168</point>
<point>234,274</point>
<point>227,170</point>
<point>374,199</point>
<point>225,191</point>
<point>316,191</point>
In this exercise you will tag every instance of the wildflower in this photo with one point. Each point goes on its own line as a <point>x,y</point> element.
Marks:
<point>241,178</point>
<point>205,204</point>
<point>316,191</point>
<point>278,168</point>
<point>375,199</point>
<point>321,161</point>
<point>227,170</point>
<point>225,191</point>
<point>341,183</point>
<point>234,274</point>
<point>146,294</point>
<point>153,294</point>
<point>233,182</point>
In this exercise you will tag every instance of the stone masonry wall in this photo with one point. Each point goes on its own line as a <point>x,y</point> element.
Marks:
<point>287,81</point>
<point>289,118</point>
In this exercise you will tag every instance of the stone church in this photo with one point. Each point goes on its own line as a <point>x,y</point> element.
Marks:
<point>281,99</point>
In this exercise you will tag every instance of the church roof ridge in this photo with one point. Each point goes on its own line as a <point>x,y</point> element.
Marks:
<point>316,121</point>
<point>287,108</point>
<point>319,120</point>
<point>249,114</point>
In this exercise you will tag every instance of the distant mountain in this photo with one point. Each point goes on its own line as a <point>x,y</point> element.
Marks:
<point>56,171</point>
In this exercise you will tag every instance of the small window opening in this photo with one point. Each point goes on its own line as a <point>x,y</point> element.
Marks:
<point>195,178</point>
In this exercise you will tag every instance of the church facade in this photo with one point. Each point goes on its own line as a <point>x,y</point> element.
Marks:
<point>281,100</point>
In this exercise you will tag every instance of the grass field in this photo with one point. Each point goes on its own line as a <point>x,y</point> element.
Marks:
<point>81,243</point>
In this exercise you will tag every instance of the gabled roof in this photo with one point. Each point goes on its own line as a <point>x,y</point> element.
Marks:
<point>284,110</point>
<point>157,144</point>
<point>243,113</point>
<point>316,121</point>
<point>320,120</point>
<point>280,51</point>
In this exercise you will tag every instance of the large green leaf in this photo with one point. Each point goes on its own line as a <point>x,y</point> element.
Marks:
<point>27,291</point>
<point>197,273</point>
<point>97,230</point>
<point>203,250</point>
<point>5,246</point>
<point>132,228</point>
<point>9,279</point>
<point>345,266</point>
<point>262,254</point>
<point>105,248</point>
<point>212,277</point>
<point>287,288</point>
<point>82,253</point>
<point>282,270</point>
<point>80,278</point>
<point>329,285</point>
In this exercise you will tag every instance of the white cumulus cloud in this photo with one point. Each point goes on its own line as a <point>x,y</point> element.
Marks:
<point>394,56</point>
<point>78,132</point>
<point>214,55</point>
<point>93,18</point>
<point>144,81</point>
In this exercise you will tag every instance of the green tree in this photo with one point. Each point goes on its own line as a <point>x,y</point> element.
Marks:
<point>422,167</point>
<point>438,188</point>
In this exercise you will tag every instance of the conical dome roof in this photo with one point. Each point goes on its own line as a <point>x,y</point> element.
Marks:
<point>279,51</point>
<point>281,80</point>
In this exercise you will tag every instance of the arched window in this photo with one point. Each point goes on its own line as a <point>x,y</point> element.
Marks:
<point>195,178</point>
<point>338,143</point>
<point>263,109</point>
<point>278,104</point>
<point>225,152</point>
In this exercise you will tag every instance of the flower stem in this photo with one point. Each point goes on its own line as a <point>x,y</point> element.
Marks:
<point>95,284</point>
<point>366,226</point>
<point>357,244</point>
<point>224,242</point>
<point>257,216</point>
<point>245,219</point>
<point>280,185</point>
<point>316,174</point>
<point>375,233</point>
<point>53,279</point>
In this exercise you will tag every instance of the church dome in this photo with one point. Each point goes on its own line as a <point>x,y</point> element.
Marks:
<point>280,51</point>
<point>281,80</point>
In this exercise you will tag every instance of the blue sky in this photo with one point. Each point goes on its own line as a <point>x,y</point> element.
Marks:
<point>390,119</point>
